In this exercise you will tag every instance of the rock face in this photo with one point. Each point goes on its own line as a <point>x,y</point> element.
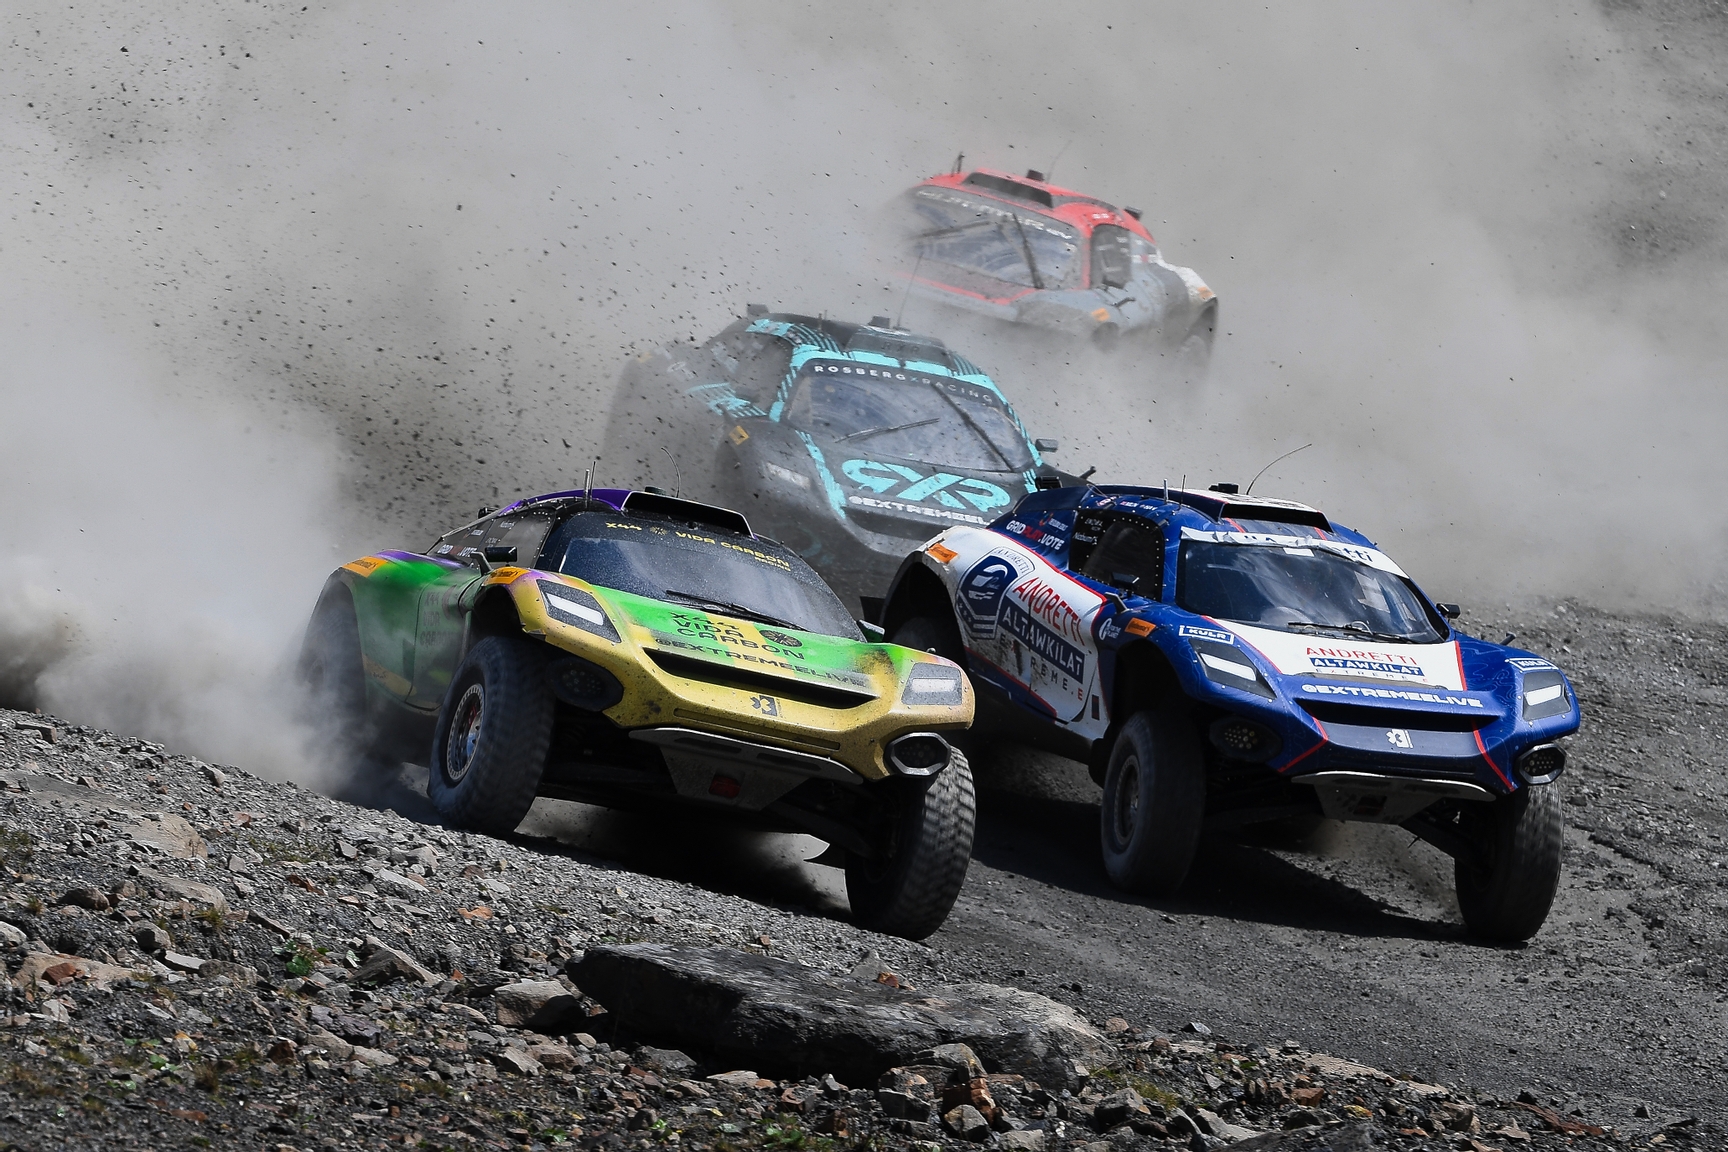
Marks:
<point>744,1007</point>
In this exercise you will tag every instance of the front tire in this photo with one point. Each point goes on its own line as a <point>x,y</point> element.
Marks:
<point>1154,801</point>
<point>909,891</point>
<point>494,730</point>
<point>1506,892</point>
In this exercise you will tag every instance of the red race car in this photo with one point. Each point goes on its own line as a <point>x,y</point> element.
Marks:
<point>1023,250</point>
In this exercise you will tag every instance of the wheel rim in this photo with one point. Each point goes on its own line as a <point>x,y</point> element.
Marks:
<point>1125,802</point>
<point>464,733</point>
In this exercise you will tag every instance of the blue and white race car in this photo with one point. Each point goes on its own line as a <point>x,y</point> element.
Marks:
<point>1221,660</point>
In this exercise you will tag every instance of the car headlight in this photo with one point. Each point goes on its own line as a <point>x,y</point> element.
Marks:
<point>935,685</point>
<point>1231,668</point>
<point>1545,694</point>
<point>576,608</point>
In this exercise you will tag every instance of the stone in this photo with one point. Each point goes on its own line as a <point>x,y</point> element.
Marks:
<point>1197,1028</point>
<point>215,775</point>
<point>957,1057</point>
<point>170,835</point>
<point>152,938</point>
<point>11,936</point>
<point>1216,1125</point>
<point>181,962</point>
<point>667,1061</point>
<point>189,890</point>
<point>1308,1097</point>
<point>66,968</point>
<point>519,1061</point>
<point>903,1105</point>
<point>740,1005</point>
<point>372,1057</point>
<point>543,1005</point>
<point>87,898</point>
<point>1351,1136</point>
<point>398,883</point>
<point>1118,1108</point>
<point>557,1057</point>
<point>331,1043</point>
<point>967,1123</point>
<point>738,1078</point>
<point>387,965</point>
<point>426,856</point>
<point>1030,1140</point>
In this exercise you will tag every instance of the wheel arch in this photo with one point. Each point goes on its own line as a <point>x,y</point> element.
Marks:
<point>494,614</point>
<point>916,590</point>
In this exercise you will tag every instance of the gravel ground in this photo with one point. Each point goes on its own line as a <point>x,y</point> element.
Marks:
<point>197,952</point>
<point>285,902</point>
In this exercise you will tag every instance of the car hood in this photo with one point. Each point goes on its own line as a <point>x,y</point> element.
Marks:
<point>672,633</point>
<point>937,495</point>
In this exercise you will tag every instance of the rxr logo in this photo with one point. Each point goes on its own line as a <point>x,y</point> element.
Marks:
<point>879,477</point>
<point>1398,738</point>
<point>766,705</point>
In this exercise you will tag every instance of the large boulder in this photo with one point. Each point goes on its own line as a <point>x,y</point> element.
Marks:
<point>776,1015</point>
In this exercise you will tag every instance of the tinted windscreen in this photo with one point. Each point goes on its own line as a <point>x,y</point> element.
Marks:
<point>1016,245</point>
<point>667,560</point>
<point>1299,589</point>
<point>908,414</point>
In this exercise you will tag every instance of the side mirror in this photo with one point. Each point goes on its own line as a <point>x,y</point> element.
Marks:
<point>1450,611</point>
<point>501,553</point>
<point>874,633</point>
<point>1126,581</point>
<point>1045,444</point>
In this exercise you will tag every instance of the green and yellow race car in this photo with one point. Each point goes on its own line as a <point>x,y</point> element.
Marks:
<point>634,650</point>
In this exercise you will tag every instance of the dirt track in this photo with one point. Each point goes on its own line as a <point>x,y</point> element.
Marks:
<point>1354,945</point>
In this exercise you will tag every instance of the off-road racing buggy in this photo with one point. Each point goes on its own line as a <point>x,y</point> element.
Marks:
<point>636,651</point>
<point>846,441</point>
<point>1028,252</point>
<point>1221,660</point>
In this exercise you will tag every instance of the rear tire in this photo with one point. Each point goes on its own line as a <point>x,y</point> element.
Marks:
<point>332,673</point>
<point>910,890</point>
<point>1154,801</point>
<point>1193,354</point>
<point>1506,893</point>
<point>494,730</point>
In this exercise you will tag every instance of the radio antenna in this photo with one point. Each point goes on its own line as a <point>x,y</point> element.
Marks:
<point>588,483</point>
<point>959,162</point>
<point>1262,471</point>
<point>677,474</point>
<point>1050,172</point>
<point>917,264</point>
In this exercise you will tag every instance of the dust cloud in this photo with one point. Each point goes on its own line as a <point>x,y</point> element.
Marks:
<point>410,247</point>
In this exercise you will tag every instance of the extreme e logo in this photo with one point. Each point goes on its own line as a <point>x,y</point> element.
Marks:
<point>879,477</point>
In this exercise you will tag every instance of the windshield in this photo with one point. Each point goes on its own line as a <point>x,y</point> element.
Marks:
<point>996,240</point>
<point>1300,589</point>
<point>933,419</point>
<point>685,564</point>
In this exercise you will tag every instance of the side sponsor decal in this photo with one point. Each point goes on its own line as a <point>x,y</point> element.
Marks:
<point>1042,642</point>
<point>1391,694</point>
<point>1216,635</point>
<point>981,591</point>
<point>1528,663</point>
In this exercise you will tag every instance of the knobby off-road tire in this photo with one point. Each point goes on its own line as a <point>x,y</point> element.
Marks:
<point>1506,893</point>
<point>909,892</point>
<point>494,729</point>
<point>1154,801</point>
<point>333,676</point>
<point>1192,355</point>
